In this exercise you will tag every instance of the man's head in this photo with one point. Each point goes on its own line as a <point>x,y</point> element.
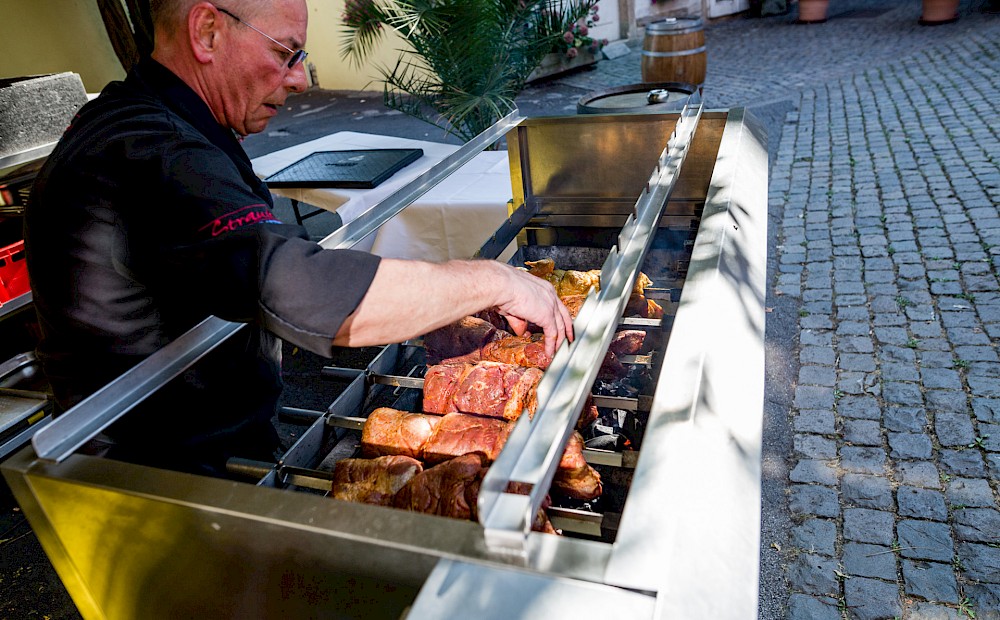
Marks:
<point>234,54</point>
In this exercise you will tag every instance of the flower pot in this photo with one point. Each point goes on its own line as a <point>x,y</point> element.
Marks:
<point>939,12</point>
<point>558,63</point>
<point>813,11</point>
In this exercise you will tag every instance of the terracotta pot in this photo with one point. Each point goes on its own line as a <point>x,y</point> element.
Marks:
<point>939,12</point>
<point>813,11</point>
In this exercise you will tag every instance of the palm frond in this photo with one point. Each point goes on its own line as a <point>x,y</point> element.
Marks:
<point>467,59</point>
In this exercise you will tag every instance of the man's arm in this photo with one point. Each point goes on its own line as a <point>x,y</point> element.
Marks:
<point>410,298</point>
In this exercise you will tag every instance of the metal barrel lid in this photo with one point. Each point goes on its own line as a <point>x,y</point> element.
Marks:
<point>646,98</point>
<point>675,25</point>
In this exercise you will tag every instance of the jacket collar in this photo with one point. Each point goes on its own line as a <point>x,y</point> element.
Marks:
<point>180,98</point>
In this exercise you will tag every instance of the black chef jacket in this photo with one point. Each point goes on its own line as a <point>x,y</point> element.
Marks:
<point>146,218</point>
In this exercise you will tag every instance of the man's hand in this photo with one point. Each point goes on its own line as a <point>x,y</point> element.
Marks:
<point>530,299</point>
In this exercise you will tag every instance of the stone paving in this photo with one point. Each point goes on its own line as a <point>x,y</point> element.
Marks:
<point>888,181</point>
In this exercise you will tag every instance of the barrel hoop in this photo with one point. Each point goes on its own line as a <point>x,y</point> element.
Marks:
<point>663,31</point>
<point>696,50</point>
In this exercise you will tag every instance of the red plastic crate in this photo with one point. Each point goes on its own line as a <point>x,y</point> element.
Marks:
<point>13,272</point>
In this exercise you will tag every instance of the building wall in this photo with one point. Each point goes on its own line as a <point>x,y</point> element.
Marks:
<point>53,36</point>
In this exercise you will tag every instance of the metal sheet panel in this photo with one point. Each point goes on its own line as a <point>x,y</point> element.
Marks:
<point>691,527</point>
<point>458,589</point>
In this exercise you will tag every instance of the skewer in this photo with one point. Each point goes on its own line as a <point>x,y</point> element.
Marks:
<point>625,460</point>
<point>566,519</point>
<point>642,403</point>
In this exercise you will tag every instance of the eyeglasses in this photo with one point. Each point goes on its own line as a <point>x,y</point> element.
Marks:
<point>297,56</point>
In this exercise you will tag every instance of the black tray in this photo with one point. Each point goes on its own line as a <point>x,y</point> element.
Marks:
<point>358,169</point>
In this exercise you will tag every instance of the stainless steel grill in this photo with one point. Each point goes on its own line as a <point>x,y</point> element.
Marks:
<point>681,197</point>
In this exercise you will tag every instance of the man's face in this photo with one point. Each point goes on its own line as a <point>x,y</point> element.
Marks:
<point>254,70</point>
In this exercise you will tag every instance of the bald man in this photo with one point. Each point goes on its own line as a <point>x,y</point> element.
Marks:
<point>147,217</point>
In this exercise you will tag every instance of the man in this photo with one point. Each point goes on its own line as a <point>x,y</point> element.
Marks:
<point>147,217</point>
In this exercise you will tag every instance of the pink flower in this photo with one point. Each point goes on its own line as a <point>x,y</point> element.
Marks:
<point>568,37</point>
<point>582,30</point>
<point>571,52</point>
<point>596,17</point>
<point>604,42</point>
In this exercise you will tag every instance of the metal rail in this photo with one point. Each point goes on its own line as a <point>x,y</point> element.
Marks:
<point>534,447</point>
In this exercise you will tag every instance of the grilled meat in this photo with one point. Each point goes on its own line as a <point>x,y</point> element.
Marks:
<point>449,489</point>
<point>575,477</point>
<point>373,481</point>
<point>393,432</point>
<point>485,388</point>
<point>572,287</point>
<point>628,342</point>
<point>459,434</point>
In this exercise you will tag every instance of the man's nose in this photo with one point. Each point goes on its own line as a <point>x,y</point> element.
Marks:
<point>295,80</point>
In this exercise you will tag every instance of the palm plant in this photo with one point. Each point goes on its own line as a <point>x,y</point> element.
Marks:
<point>467,59</point>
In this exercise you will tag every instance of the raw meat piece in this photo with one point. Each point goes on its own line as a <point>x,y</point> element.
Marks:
<point>393,432</point>
<point>494,318</point>
<point>486,388</point>
<point>373,481</point>
<point>449,489</point>
<point>527,350</point>
<point>463,337</point>
<point>459,434</point>
<point>575,477</point>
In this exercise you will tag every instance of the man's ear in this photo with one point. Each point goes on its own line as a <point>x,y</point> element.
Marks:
<point>203,31</point>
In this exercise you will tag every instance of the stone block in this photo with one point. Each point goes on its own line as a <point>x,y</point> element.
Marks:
<point>36,110</point>
<point>921,503</point>
<point>862,560</point>
<point>871,599</point>
<point>932,581</point>
<point>870,526</point>
<point>925,540</point>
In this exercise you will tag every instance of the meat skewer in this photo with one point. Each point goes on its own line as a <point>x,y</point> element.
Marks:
<point>458,434</point>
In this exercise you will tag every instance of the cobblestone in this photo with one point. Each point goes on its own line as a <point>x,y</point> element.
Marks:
<point>816,536</point>
<point>972,492</point>
<point>871,599</point>
<point>921,503</point>
<point>869,561</point>
<point>812,499</point>
<point>870,526</point>
<point>918,473</point>
<point>930,580</point>
<point>925,540</point>
<point>813,574</point>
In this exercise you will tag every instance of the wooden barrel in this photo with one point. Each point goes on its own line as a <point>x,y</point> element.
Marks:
<point>673,50</point>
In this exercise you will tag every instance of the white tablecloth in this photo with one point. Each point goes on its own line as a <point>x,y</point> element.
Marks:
<point>452,220</point>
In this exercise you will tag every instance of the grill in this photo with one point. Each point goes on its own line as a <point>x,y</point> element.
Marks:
<point>681,197</point>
